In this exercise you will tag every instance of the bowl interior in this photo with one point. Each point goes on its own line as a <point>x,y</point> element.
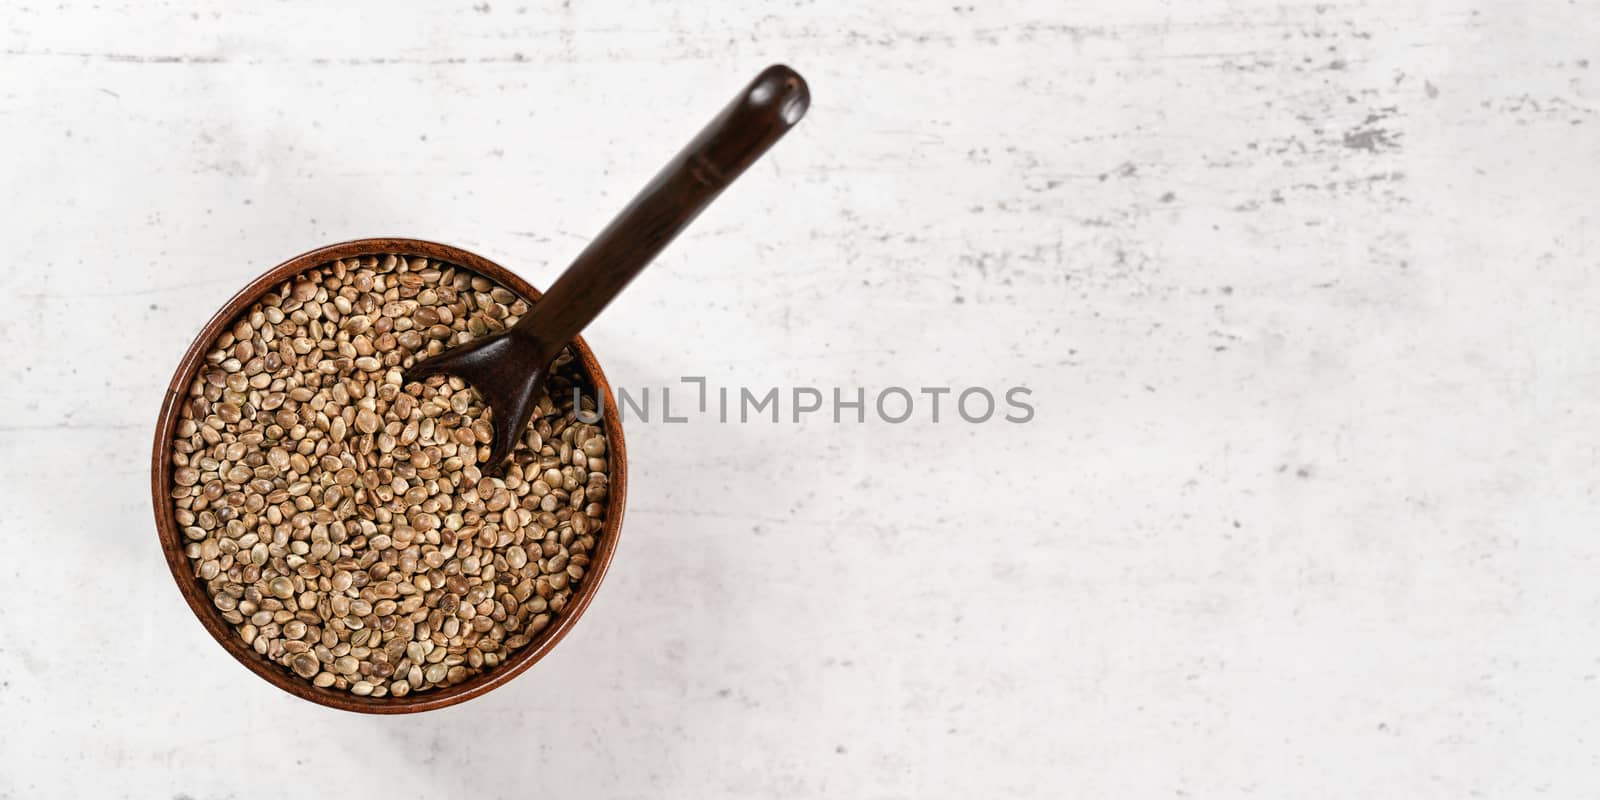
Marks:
<point>195,594</point>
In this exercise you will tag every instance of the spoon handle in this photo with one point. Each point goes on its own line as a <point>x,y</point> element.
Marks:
<point>756,119</point>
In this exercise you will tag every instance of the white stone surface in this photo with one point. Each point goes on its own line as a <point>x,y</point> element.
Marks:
<point>1304,292</point>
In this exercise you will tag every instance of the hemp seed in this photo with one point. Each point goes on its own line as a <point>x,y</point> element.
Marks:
<point>339,518</point>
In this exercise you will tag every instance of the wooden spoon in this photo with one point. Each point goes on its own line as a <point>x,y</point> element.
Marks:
<point>509,368</point>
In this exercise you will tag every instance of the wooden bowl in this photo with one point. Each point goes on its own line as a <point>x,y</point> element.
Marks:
<point>172,541</point>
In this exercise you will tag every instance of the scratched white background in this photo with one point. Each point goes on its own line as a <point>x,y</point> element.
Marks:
<point>1304,291</point>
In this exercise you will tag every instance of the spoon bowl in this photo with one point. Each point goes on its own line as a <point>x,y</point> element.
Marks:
<point>194,593</point>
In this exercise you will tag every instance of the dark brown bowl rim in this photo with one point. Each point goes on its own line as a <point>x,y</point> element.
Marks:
<point>210,617</point>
